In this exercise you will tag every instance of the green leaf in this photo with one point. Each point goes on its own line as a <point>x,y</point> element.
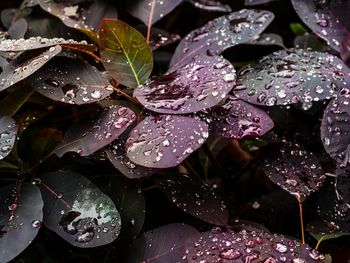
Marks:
<point>14,101</point>
<point>298,29</point>
<point>125,53</point>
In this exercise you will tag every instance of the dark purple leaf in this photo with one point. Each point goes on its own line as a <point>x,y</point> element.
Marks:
<point>328,19</point>
<point>71,81</point>
<point>164,244</point>
<point>221,33</point>
<point>20,218</point>
<point>247,246</point>
<point>335,131</point>
<point>342,184</point>
<point>86,137</point>
<point>16,45</point>
<point>18,29</point>
<point>199,85</point>
<point>151,11</point>
<point>117,156</point>
<point>294,169</point>
<point>292,76</point>
<point>238,119</point>
<point>257,2</point>
<point>268,39</point>
<point>25,65</point>
<point>8,132</point>
<point>85,16</point>
<point>165,141</point>
<point>195,198</point>
<point>77,210</point>
<point>211,5</point>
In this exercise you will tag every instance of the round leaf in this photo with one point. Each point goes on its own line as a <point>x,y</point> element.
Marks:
<point>165,141</point>
<point>78,211</point>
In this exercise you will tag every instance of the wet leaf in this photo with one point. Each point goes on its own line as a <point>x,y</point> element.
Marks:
<point>25,65</point>
<point>294,169</point>
<point>199,85</point>
<point>247,246</point>
<point>238,119</point>
<point>335,130</point>
<point>323,230</point>
<point>71,81</point>
<point>327,19</point>
<point>211,5</point>
<point>268,39</point>
<point>164,244</point>
<point>292,76</point>
<point>257,2</point>
<point>165,141</point>
<point>17,45</point>
<point>151,11</point>
<point>77,210</point>
<point>20,218</point>
<point>195,198</point>
<point>117,156</point>
<point>8,132</point>
<point>130,201</point>
<point>86,138</point>
<point>220,34</point>
<point>85,15</point>
<point>125,53</point>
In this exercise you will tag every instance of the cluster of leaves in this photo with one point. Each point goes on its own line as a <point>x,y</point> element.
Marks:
<point>99,91</point>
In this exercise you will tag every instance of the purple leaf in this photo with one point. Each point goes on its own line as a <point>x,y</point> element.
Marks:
<point>221,33</point>
<point>151,11</point>
<point>117,156</point>
<point>71,81</point>
<point>238,119</point>
<point>20,218</point>
<point>164,244</point>
<point>8,132</point>
<point>18,29</point>
<point>199,85</point>
<point>195,198</point>
<point>25,65</point>
<point>247,246</point>
<point>335,131</point>
<point>327,19</point>
<point>165,141</point>
<point>77,210</point>
<point>16,45</point>
<point>211,5</point>
<point>257,2</point>
<point>295,170</point>
<point>86,138</point>
<point>268,39</point>
<point>292,76</point>
<point>342,184</point>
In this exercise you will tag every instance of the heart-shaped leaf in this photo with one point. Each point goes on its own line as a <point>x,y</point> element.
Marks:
<point>125,53</point>
<point>71,81</point>
<point>8,132</point>
<point>328,19</point>
<point>199,85</point>
<point>84,15</point>
<point>247,246</point>
<point>25,65</point>
<point>335,130</point>
<point>221,33</point>
<point>211,5</point>
<point>117,156</point>
<point>294,169</point>
<point>151,11</point>
<point>292,76</point>
<point>195,198</point>
<point>17,45</point>
<point>238,119</point>
<point>164,244</point>
<point>77,210</point>
<point>86,138</point>
<point>21,214</point>
<point>165,140</point>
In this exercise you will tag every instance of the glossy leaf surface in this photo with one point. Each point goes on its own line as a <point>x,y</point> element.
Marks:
<point>8,132</point>
<point>211,5</point>
<point>125,53</point>
<point>199,85</point>
<point>20,218</point>
<point>165,140</point>
<point>78,211</point>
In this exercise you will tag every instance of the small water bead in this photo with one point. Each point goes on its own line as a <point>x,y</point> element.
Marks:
<point>36,224</point>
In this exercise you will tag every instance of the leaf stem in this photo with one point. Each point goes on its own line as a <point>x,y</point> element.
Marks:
<point>319,242</point>
<point>301,219</point>
<point>84,51</point>
<point>149,26</point>
<point>126,95</point>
